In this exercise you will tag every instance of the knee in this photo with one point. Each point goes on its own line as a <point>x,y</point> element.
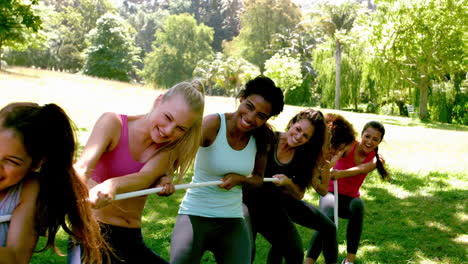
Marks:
<point>357,208</point>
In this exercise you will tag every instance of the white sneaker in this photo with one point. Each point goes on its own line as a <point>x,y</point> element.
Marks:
<point>345,261</point>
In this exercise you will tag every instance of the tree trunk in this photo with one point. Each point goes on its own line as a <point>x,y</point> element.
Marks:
<point>423,93</point>
<point>338,74</point>
<point>1,54</point>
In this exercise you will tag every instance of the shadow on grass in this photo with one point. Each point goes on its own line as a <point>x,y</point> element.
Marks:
<point>413,229</point>
<point>413,182</point>
<point>17,74</point>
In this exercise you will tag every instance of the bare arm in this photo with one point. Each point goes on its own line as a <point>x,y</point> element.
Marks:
<point>289,186</point>
<point>103,193</point>
<point>22,237</point>
<point>104,137</point>
<point>255,179</point>
<point>322,176</point>
<point>356,170</point>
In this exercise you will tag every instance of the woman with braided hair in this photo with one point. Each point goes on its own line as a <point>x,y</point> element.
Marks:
<point>360,158</point>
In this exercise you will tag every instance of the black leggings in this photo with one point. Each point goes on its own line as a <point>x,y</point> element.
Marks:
<point>128,246</point>
<point>274,218</point>
<point>351,208</point>
<point>227,238</point>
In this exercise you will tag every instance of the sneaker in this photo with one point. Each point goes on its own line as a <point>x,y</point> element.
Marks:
<point>345,261</point>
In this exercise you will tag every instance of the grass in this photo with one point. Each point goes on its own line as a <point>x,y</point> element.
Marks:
<point>419,217</point>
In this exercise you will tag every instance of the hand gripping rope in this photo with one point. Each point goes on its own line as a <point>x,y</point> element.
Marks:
<point>6,218</point>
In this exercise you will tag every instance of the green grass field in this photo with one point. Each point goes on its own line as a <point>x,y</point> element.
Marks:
<point>419,217</point>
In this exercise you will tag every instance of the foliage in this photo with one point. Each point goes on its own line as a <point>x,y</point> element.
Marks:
<point>179,45</point>
<point>260,21</point>
<point>336,21</point>
<point>16,21</point>
<point>285,71</point>
<point>226,74</point>
<point>145,18</point>
<point>111,53</point>
<point>61,41</point>
<point>221,15</point>
<point>422,41</point>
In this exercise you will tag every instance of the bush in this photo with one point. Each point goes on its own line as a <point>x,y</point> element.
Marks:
<point>460,114</point>
<point>389,109</point>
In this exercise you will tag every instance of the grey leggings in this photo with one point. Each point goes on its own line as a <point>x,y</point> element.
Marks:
<point>227,238</point>
<point>351,208</point>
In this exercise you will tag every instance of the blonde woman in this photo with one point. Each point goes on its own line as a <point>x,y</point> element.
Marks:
<point>129,153</point>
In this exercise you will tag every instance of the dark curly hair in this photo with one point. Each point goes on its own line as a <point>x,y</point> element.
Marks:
<point>266,88</point>
<point>341,131</point>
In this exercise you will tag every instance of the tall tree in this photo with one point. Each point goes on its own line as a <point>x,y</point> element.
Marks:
<point>111,53</point>
<point>16,20</point>
<point>261,20</point>
<point>179,45</point>
<point>423,41</point>
<point>336,22</point>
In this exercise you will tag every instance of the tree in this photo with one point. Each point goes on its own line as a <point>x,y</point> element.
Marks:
<point>227,74</point>
<point>179,45</point>
<point>16,20</point>
<point>285,71</point>
<point>336,23</point>
<point>261,20</point>
<point>424,41</point>
<point>111,53</point>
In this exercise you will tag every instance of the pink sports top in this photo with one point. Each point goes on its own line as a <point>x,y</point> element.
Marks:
<point>119,161</point>
<point>350,185</point>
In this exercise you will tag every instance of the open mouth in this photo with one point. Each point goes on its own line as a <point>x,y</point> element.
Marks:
<point>245,124</point>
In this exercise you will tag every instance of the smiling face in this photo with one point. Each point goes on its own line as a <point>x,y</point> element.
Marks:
<point>370,139</point>
<point>300,133</point>
<point>253,112</point>
<point>171,119</point>
<point>15,163</point>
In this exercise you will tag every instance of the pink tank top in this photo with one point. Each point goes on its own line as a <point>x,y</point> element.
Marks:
<point>350,185</point>
<point>119,161</point>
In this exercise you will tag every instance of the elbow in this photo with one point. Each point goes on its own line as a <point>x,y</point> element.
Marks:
<point>322,190</point>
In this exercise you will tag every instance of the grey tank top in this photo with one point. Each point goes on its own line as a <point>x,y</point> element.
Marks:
<point>7,206</point>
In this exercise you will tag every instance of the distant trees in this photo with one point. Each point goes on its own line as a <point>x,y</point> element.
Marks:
<point>111,53</point>
<point>424,42</point>
<point>179,45</point>
<point>261,20</point>
<point>285,71</point>
<point>16,20</point>
<point>358,55</point>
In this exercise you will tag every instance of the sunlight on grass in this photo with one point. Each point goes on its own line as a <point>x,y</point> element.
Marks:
<point>440,226</point>
<point>461,239</point>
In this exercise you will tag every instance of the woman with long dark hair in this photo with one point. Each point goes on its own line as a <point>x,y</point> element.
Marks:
<point>350,171</point>
<point>38,185</point>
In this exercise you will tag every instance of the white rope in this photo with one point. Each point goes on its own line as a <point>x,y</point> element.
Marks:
<point>5,218</point>
<point>335,209</point>
<point>177,187</point>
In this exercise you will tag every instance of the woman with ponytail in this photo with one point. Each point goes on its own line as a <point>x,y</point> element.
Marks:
<point>38,185</point>
<point>131,153</point>
<point>359,158</point>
